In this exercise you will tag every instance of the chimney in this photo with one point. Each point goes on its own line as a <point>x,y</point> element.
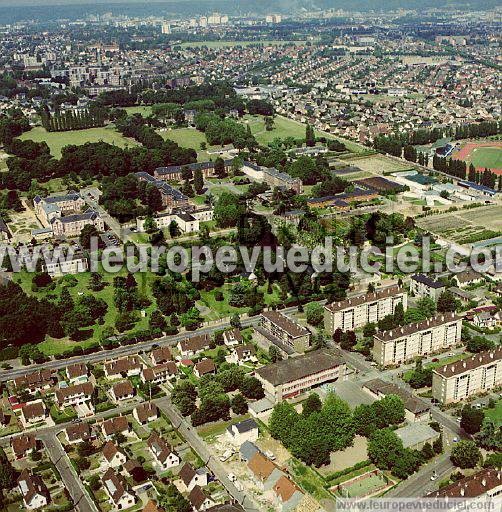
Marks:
<point>462,491</point>
<point>483,482</point>
<point>463,364</point>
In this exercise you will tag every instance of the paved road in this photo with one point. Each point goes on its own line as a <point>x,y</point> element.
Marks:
<point>420,483</point>
<point>193,438</point>
<point>81,500</point>
<point>56,364</point>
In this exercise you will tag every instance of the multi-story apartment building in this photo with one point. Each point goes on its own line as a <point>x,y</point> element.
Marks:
<point>67,204</point>
<point>456,381</point>
<point>419,339</point>
<point>295,375</point>
<point>357,311</point>
<point>272,177</point>
<point>171,197</point>
<point>424,286</point>
<point>175,172</point>
<point>485,484</point>
<point>72,225</point>
<point>286,330</point>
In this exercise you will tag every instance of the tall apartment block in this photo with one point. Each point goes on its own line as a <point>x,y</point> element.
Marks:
<point>455,382</point>
<point>357,311</point>
<point>405,343</point>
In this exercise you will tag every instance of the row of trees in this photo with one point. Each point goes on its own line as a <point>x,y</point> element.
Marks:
<point>72,120</point>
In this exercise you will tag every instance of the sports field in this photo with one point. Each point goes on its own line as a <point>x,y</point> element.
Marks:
<point>485,155</point>
<point>58,140</point>
<point>364,486</point>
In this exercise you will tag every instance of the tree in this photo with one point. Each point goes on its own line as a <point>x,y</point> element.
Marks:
<point>149,224</point>
<point>447,302</point>
<point>437,445</point>
<point>369,330</point>
<point>389,411</point>
<point>274,354</point>
<point>426,306</point>
<point>171,500</point>
<point>314,312</point>
<point>489,437</point>
<point>198,181</point>
<point>8,474</point>
<point>364,418</point>
<point>465,454</point>
<point>157,320</point>
<point>471,419</point>
<point>407,463</point>
<point>239,404</point>
<point>427,451</point>
<point>252,388</point>
<point>174,229</point>
<point>88,233</point>
<point>479,344</point>
<point>349,340</point>
<point>219,168</point>
<point>311,404</point>
<point>282,420</point>
<point>385,448</point>
<point>235,321</point>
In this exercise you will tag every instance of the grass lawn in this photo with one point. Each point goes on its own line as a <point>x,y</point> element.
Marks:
<point>309,480</point>
<point>283,128</point>
<point>489,157</point>
<point>58,140</point>
<point>216,429</point>
<point>144,110</point>
<point>495,414</point>
<point>189,138</point>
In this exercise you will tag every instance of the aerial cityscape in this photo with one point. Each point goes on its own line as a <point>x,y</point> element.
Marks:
<point>250,255</point>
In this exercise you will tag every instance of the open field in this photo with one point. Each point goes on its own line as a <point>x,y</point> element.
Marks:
<point>283,128</point>
<point>483,155</point>
<point>226,44</point>
<point>58,140</point>
<point>379,164</point>
<point>190,138</point>
<point>144,110</point>
<point>465,226</point>
<point>3,160</point>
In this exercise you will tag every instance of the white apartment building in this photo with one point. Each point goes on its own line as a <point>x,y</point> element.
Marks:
<point>362,309</point>
<point>404,343</point>
<point>284,329</point>
<point>456,381</point>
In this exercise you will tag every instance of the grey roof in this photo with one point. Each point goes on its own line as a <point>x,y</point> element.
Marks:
<point>247,450</point>
<point>71,196</point>
<point>295,368</point>
<point>421,278</point>
<point>163,187</point>
<point>416,433</point>
<point>245,426</point>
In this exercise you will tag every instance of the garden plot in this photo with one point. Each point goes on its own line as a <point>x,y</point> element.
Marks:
<point>378,164</point>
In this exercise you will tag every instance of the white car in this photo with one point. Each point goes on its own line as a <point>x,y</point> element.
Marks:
<point>226,455</point>
<point>270,455</point>
<point>455,439</point>
<point>232,477</point>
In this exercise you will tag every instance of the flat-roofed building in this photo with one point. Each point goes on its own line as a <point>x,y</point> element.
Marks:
<point>427,337</point>
<point>455,382</point>
<point>362,309</point>
<point>291,377</point>
<point>286,330</point>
